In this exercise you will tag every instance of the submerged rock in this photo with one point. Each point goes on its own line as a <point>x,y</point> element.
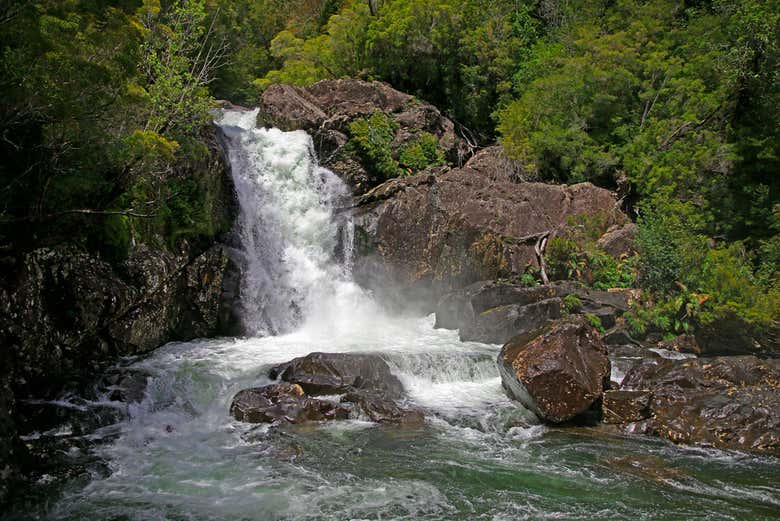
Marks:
<point>382,410</point>
<point>558,372</point>
<point>724,402</point>
<point>335,373</point>
<point>282,403</point>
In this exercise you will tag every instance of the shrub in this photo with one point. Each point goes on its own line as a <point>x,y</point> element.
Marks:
<point>370,139</point>
<point>421,153</point>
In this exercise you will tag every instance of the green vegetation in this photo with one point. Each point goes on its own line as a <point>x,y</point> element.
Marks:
<point>577,256</point>
<point>676,102</point>
<point>371,139</point>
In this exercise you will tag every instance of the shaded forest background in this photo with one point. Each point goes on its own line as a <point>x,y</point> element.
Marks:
<point>104,121</point>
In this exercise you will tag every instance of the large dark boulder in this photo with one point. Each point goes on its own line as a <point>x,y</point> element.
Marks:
<point>558,372</point>
<point>337,373</point>
<point>283,403</point>
<point>444,229</point>
<point>326,109</point>
<point>368,388</point>
<point>724,402</point>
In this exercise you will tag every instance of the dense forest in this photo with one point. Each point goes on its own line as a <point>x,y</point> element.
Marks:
<point>674,104</point>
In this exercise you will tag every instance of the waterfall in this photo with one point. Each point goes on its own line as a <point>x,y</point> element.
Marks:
<point>288,227</point>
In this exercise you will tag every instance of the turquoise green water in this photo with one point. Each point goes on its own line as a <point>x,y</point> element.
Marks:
<point>479,455</point>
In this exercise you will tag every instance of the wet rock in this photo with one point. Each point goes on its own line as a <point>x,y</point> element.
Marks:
<point>618,241</point>
<point>283,403</point>
<point>431,234</point>
<point>494,312</point>
<point>618,335</point>
<point>681,344</point>
<point>724,402</point>
<point>496,325</point>
<point>558,372</point>
<point>126,385</point>
<point>326,109</point>
<point>382,410</point>
<point>626,406</point>
<point>336,373</point>
<point>9,445</point>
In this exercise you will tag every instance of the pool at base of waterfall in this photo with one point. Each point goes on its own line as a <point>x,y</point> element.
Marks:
<point>478,456</point>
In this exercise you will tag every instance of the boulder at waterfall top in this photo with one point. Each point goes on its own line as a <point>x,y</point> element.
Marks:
<point>558,372</point>
<point>326,109</point>
<point>364,382</point>
<point>723,402</point>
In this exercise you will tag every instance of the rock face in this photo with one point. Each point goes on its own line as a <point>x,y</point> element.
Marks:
<point>326,108</point>
<point>626,406</point>
<point>282,403</point>
<point>444,229</point>
<point>336,373</point>
<point>724,402</point>
<point>368,388</point>
<point>494,312</point>
<point>67,312</point>
<point>618,241</point>
<point>558,372</point>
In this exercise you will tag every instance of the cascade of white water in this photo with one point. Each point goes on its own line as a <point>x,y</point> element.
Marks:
<point>288,228</point>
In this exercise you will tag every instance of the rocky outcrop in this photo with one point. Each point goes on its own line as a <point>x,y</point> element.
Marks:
<point>724,402</point>
<point>559,372</point>
<point>494,312</point>
<point>730,335</point>
<point>618,241</point>
<point>442,230</point>
<point>326,109</point>
<point>67,312</point>
<point>336,373</point>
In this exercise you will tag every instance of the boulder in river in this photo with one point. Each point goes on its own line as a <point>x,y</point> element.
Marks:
<point>283,403</point>
<point>725,402</point>
<point>336,373</point>
<point>558,372</point>
<point>382,410</point>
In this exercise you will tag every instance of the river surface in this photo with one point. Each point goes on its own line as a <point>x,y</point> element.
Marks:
<point>179,455</point>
